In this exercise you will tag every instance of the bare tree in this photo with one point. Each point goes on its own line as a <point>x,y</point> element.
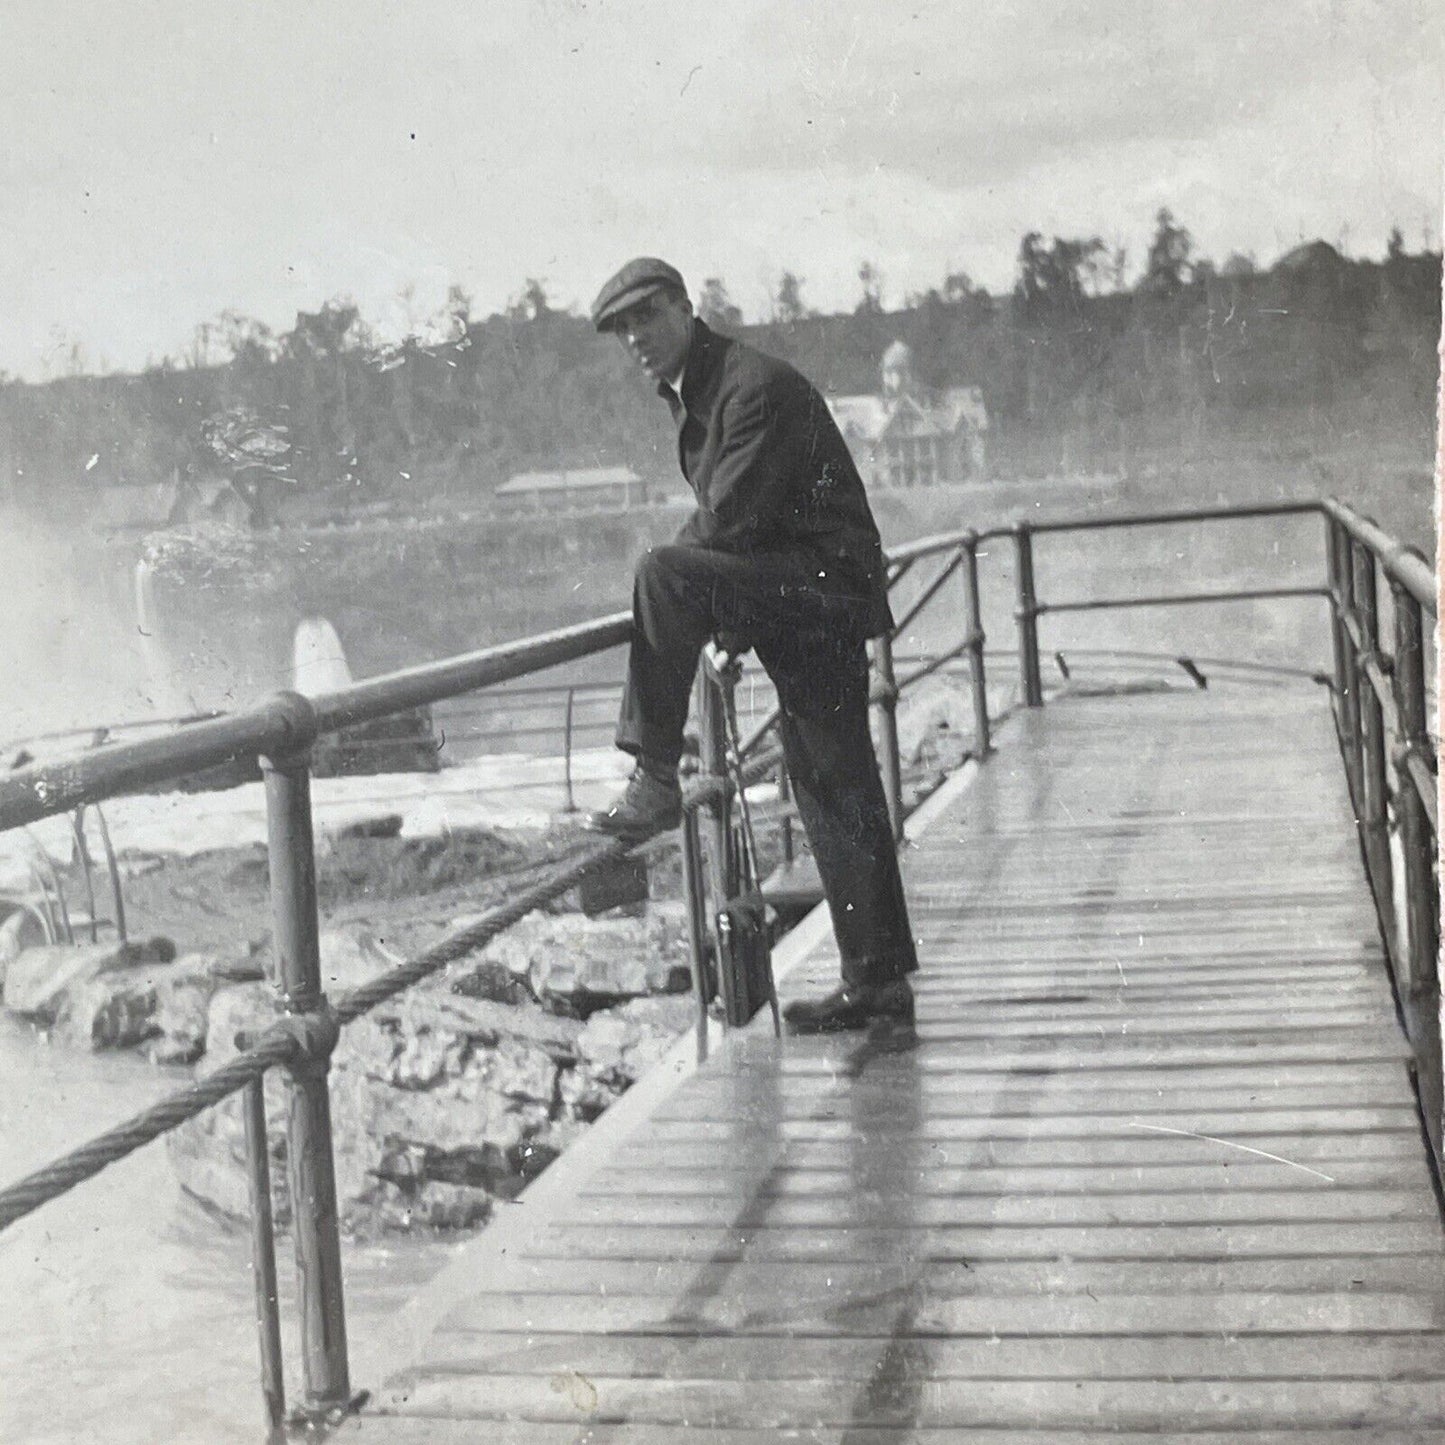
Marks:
<point>788,302</point>
<point>715,306</point>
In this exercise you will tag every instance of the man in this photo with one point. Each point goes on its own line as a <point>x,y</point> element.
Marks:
<point>781,556</point>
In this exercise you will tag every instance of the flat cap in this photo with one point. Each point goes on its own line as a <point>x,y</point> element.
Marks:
<point>640,277</point>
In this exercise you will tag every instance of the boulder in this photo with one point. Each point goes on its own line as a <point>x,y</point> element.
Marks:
<point>351,957</point>
<point>431,1204</point>
<point>428,1090</point>
<point>441,1102</point>
<point>584,962</point>
<point>181,1018</point>
<point>38,980</point>
<point>110,1011</point>
<point>623,1043</point>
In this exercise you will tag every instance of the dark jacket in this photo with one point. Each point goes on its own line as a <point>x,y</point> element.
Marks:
<point>771,470</point>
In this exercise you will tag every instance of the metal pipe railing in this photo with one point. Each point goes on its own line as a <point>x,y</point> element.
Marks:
<point>310,1164</point>
<point>1386,739</point>
<point>1391,765</point>
<point>1027,616</point>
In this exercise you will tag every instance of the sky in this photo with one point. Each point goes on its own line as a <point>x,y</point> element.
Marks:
<point>167,160</point>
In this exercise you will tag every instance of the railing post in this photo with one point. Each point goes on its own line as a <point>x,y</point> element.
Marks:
<point>570,803</point>
<point>785,822</point>
<point>1027,614</point>
<point>1374,802</point>
<point>983,741</point>
<point>263,1256</point>
<point>888,732</point>
<point>311,1168</point>
<point>721,865</point>
<point>1422,901</point>
<point>1334,533</point>
<point>694,901</point>
<point>1351,701</point>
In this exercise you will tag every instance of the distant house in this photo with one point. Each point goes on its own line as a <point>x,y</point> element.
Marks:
<point>907,436</point>
<point>588,489</point>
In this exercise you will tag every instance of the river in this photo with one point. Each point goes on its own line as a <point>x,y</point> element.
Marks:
<point>130,1312</point>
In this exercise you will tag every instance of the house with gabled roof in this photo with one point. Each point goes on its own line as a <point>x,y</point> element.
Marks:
<point>910,436</point>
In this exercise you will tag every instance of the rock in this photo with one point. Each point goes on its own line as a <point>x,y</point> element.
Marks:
<point>350,958</point>
<point>443,1102</point>
<point>587,963</point>
<point>236,1010</point>
<point>426,1058</point>
<point>432,1204</point>
<point>181,1018</point>
<point>429,1089</point>
<point>481,1022</point>
<point>111,1011</point>
<point>38,980</point>
<point>615,1048</point>
<point>520,1070</point>
<point>623,1043</point>
<point>493,980</point>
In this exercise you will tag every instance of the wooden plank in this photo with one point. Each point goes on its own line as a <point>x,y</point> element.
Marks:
<point>1196,1241</point>
<point>1135,1404</point>
<point>784,1182</point>
<point>1375,1045</point>
<point>1143,1150</point>
<point>853,1359</point>
<point>398,1429</point>
<point>1217,1023</point>
<point>952,1097</point>
<point>1084,1075</point>
<point>1235,1124</point>
<point>863,1207</point>
<point>764,1284</point>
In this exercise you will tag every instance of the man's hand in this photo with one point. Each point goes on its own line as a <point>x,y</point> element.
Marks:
<point>724,653</point>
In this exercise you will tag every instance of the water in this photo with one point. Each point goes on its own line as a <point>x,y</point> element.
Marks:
<point>130,1312</point>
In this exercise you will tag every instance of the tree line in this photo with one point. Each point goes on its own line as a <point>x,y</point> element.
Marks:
<point>1076,350</point>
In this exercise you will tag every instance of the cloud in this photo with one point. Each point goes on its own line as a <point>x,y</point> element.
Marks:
<point>166,160</point>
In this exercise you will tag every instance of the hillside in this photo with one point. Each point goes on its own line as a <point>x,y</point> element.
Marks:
<point>1323,366</point>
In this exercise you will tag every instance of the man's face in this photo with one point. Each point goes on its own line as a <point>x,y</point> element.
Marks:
<point>655,333</point>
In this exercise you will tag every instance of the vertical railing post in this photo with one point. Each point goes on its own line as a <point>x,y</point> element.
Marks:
<point>569,804</point>
<point>721,864</point>
<point>982,737</point>
<point>263,1257</point>
<point>785,821</point>
<point>1422,901</point>
<point>891,760</point>
<point>1027,614</point>
<point>694,901</point>
<point>1334,532</point>
<point>1374,784</point>
<point>1345,571</point>
<point>311,1167</point>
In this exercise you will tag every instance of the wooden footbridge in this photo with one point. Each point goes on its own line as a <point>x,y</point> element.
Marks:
<point>1152,1163</point>
<point>1155,1164</point>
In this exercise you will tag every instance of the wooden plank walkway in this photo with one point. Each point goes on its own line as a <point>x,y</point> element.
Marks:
<point>1150,1170</point>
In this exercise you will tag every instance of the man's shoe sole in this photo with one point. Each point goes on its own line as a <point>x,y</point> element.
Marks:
<point>624,834</point>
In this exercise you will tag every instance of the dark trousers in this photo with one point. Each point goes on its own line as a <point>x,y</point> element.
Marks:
<point>811,641</point>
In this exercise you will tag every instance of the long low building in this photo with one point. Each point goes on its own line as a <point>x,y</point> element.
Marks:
<point>587,489</point>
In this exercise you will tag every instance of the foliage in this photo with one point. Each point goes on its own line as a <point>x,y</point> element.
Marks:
<point>1071,363</point>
